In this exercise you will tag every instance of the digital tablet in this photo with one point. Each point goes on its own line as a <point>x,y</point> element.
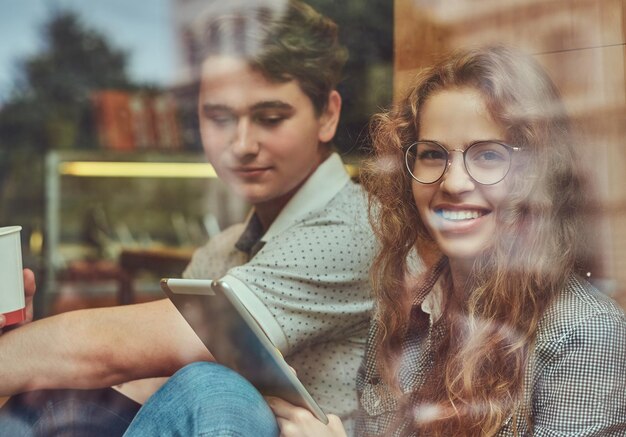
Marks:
<point>236,340</point>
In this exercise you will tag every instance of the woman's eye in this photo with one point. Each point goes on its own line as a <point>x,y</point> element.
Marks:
<point>431,155</point>
<point>489,155</point>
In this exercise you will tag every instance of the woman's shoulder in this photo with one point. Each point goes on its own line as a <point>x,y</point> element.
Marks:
<point>580,307</point>
<point>579,371</point>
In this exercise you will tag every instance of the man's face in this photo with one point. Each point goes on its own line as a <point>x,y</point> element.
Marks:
<point>262,138</point>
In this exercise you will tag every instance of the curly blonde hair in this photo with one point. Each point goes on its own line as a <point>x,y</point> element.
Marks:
<point>477,379</point>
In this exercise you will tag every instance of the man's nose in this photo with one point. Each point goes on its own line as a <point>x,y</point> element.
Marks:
<point>244,142</point>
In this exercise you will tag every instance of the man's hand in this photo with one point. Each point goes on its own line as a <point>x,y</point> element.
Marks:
<point>29,293</point>
<point>297,422</point>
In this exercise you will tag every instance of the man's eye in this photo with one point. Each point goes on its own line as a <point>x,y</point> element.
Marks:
<point>270,120</point>
<point>219,118</point>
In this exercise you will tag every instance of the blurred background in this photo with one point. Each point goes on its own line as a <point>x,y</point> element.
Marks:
<point>100,159</point>
<point>581,43</point>
<point>100,156</point>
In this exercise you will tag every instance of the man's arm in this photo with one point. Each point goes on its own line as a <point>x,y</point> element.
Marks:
<point>98,348</point>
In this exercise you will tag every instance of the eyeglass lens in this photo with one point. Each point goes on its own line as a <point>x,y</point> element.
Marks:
<point>486,162</point>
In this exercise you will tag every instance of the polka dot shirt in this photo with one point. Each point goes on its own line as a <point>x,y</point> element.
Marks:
<point>308,285</point>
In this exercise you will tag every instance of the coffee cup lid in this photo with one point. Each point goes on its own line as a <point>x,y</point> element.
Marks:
<point>9,230</point>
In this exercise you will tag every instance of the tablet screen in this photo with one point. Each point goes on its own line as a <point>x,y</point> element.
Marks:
<point>236,340</point>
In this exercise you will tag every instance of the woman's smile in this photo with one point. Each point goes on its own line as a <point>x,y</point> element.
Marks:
<point>457,220</point>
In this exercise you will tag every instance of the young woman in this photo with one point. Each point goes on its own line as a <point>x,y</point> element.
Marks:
<point>475,170</point>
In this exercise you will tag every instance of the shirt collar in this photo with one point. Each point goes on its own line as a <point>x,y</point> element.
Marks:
<point>325,182</point>
<point>250,240</point>
<point>432,302</point>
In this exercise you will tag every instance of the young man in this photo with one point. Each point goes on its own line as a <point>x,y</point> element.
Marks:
<point>268,110</point>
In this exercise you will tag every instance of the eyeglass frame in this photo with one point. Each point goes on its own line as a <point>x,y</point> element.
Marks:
<point>508,147</point>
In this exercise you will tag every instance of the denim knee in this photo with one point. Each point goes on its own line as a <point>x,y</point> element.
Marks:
<point>205,399</point>
<point>204,374</point>
<point>203,381</point>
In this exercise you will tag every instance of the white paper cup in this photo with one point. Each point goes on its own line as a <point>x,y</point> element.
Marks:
<point>12,304</point>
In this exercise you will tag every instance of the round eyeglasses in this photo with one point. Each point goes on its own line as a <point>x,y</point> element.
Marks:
<point>486,162</point>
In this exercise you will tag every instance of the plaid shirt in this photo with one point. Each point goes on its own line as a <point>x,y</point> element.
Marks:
<point>577,376</point>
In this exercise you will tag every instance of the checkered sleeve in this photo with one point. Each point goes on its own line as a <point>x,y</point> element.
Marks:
<point>581,391</point>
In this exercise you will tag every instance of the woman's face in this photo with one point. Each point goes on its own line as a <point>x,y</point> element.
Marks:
<point>459,213</point>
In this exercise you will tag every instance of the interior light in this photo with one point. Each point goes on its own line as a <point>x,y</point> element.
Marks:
<point>113,169</point>
<point>137,169</point>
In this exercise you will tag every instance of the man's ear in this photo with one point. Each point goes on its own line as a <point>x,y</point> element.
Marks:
<point>330,117</point>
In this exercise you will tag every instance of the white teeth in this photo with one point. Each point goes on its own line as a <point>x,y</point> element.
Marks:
<point>459,215</point>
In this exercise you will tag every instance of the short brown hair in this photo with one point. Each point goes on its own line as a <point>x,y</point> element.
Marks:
<point>294,42</point>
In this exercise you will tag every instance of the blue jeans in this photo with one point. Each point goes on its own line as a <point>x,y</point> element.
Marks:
<point>205,399</point>
<point>67,413</point>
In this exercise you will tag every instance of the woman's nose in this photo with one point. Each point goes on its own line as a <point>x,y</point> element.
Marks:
<point>455,178</point>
